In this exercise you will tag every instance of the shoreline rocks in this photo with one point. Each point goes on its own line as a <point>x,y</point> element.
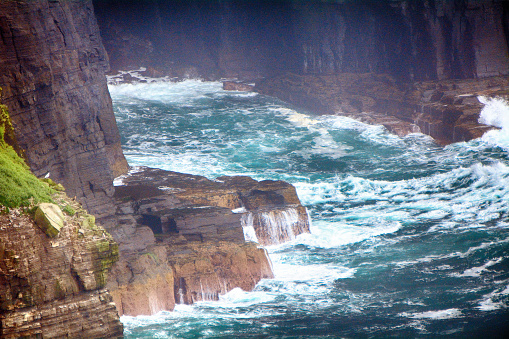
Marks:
<point>237,86</point>
<point>447,110</point>
<point>184,238</point>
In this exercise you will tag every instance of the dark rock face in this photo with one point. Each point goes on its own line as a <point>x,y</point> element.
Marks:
<point>54,287</point>
<point>52,66</point>
<point>447,110</point>
<point>409,40</point>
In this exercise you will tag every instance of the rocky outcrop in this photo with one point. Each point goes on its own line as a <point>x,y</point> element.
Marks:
<point>185,238</point>
<point>199,209</point>
<point>52,66</point>
<point>237,86</point>
<point>54,286</point>
<point>176,271</point>
<point>447,110</point>
<point>251,39</point>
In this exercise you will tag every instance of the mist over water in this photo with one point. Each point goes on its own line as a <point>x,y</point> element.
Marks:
<point>409,239</point>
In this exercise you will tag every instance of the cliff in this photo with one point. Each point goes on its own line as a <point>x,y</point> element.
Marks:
<point>53,266</point>
<point>52,66</point>
<point>52,70</point>
<point>409,40</point>
<point>52,278</point>
<point>54,286</point>
<point>412,66</point>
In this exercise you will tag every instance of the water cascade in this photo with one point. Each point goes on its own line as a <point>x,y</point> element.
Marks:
<point>274,226</point>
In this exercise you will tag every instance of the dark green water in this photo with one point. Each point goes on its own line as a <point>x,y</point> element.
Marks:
<point>409,239</point>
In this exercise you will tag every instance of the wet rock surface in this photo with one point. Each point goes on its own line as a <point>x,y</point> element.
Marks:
<point>237,86</point>
<point>182,237</point>
<point>200,209</point>
<point>447,110</point>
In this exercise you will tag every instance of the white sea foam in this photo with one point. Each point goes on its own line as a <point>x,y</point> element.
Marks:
<point>477,271</point>
<point>334,234</point>
<point>238,297</point>
<point>182,92</point>
<point>495,113</point>
<point>323,143</point>
<point>495,300</point>
<point>437,197</point>
<point>434,315</point>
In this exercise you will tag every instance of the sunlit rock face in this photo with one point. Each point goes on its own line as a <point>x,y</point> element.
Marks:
<point>410,40</point>
<point>184,238</point>
<point>52,65</point>
<point>173,204</point>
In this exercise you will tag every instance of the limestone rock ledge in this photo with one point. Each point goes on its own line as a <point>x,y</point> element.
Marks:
<point>184,238</point>
<point>447,110</point>
<point>54,287</point>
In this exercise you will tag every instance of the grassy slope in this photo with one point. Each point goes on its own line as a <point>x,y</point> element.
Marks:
<point>18,186</point>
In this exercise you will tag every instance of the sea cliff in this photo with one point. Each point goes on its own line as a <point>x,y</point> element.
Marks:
<point>52,71</point>
<point>412,66</point>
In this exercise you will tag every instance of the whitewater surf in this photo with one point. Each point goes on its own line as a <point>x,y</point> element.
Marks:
<point>408,238</point>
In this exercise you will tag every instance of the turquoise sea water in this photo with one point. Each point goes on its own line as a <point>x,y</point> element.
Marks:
<point>409,239</point>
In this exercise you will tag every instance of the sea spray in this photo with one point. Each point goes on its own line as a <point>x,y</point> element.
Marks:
<point>274,226</point>
<point>495,113</point>
<point>408,239</point>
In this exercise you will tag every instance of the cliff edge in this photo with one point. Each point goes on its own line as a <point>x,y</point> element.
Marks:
<point>52,66</point>
<point>53,265</point>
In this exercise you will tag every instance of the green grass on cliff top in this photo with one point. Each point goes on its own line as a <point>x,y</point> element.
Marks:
<point>18,186</point>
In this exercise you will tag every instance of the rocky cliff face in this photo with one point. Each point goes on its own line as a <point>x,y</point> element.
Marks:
<point>52,66</point>
<point>410,40</point>
<point>179,239</point>
<point>53,286</point>
<point>327,44</point>
<point>185,238</point>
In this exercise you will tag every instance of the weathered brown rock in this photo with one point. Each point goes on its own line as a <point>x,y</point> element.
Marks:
<point>204,210</point>
<point>178,271</point>
<point>237,86</point>
<point>447,110</point>
<point>182,236</point>
<point>142,282</point>
<point>53,286</point>
<point>203,271</point>
<point>52,66</point>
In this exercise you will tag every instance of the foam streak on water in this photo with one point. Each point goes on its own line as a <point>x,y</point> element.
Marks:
<point>408,238</point>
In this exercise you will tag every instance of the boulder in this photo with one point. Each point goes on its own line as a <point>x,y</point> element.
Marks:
<point>49,218</point>
<point>237,86</point>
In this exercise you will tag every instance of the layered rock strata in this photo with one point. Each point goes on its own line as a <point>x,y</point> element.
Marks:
<point>251,39</point>
<point>185,238</point>
<point>53,287</point>
<point>447,110</point>
<point>52,66</point>
<point>200,209</point>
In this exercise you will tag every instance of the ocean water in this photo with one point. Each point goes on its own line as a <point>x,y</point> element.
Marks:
<point>409,239</point>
